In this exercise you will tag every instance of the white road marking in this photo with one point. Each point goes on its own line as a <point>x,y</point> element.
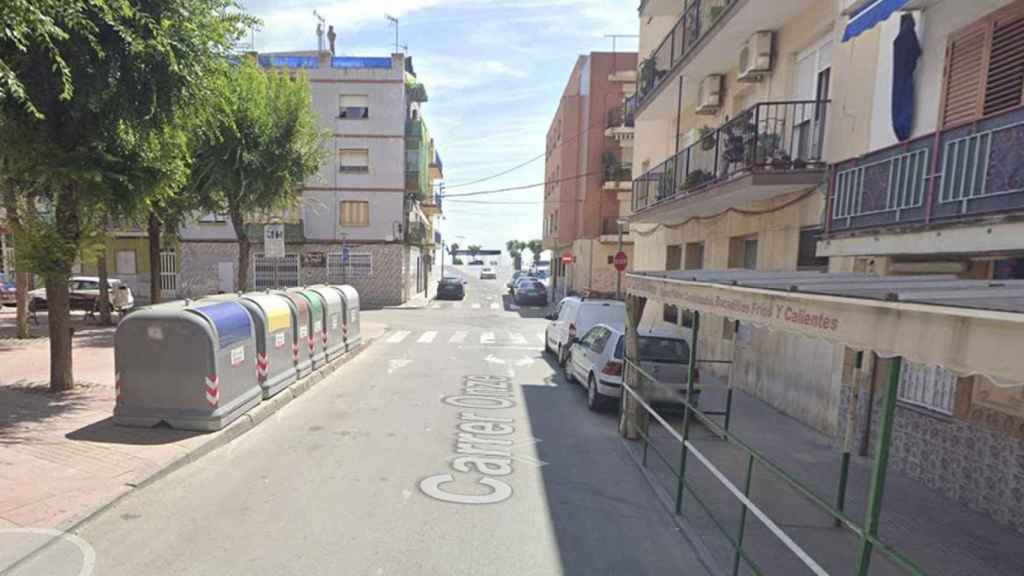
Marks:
<point>495,306</point>
<point>491,358</point>
<point>487,338</point>
<point>398,337</point>
<point>458,338</point>
<point>518,339</point>
<point>476,305</point>
<point>397,364</point>
<point>427,337</point>
<point>525,361</point>
<point>542,338</point>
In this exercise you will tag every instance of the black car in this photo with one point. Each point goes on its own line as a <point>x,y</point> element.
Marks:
<point>530,291</point>
<point>450,289</point>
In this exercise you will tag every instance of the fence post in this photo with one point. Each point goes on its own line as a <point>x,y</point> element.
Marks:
<point>689,408</point>
<point>874,509</point>
<point>743,518</point>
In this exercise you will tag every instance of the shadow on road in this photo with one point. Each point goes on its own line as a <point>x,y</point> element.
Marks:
<point>524,310</point>
<point>106,432</point>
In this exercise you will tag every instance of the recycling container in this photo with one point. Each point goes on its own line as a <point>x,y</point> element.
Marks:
<point>314,342</point>
<point>188,364</point>
<point>333,335</point>
<point>350,300</point>
<point>272,316</point>
<point>302,350</point>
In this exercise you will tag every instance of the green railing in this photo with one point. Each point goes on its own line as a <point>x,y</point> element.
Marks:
<point>867,536</point>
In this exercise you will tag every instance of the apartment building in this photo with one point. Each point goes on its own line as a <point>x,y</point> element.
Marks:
<point>366,218</point>
<point>766,140</point>
<point>588,167</point>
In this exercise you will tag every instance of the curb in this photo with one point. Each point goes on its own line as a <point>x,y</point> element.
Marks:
<point>233,431</point>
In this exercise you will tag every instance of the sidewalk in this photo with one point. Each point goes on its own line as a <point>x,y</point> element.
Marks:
<point>943,537</point>
<point>62,457</point>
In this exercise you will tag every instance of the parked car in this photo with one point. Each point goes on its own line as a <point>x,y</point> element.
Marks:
<point>476,262</point>
<point>515,278</point>
<point>449,288</point>
<point>596,362</point>
<point>84,292</point>
<point>576,316</point>
<point>6,291</point>
<point>488,273</point>
<point>530,291</point>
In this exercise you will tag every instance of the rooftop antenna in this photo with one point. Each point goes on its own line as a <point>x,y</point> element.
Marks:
<point>320,23</point>
<point>615,37</point>
<point>394,21</point>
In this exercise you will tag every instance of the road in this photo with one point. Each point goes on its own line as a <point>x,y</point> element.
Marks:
<point>448,447</point>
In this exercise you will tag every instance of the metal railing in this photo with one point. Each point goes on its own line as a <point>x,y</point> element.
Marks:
<point>697,20</point>
<point>770,136</point>
<point>624,115</point>
<point>741,494</point>
<point>954,173</point>
<point>618,172</point>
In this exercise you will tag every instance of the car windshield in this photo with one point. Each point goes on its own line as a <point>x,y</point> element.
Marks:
<point>664,350</point>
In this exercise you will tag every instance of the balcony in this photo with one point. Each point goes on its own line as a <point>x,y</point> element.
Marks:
<point>621,122</point>
<point>953,175</point>
<point>418,234</point>
<point>770,149</point>
<point>618,176</point>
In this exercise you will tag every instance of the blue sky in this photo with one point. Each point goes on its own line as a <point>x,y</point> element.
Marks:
<point>494,71</point>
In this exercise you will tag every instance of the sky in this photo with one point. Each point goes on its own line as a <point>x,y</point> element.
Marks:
<point>494,72</point>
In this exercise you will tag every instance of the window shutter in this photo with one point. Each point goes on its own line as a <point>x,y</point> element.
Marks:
<point>1004,87</point>
<point>965,58</point>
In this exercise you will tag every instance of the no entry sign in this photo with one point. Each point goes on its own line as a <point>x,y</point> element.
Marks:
<point>620,261</point>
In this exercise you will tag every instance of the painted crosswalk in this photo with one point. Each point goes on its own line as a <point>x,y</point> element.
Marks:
<point>427,337</point>
<point>516,340</point>
<point>397,337</point>
<point>458,337</point>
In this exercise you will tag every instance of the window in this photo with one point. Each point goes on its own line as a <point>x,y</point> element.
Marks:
<point>670,314</point>
<point>355,213</point>
<point>807,253</point>
<point>694,256</point>
<point>674,257</point>
<point>601,340</point>
<point>360,265</point>
<point>125,262</point>
<point>729,328</point>
<point>354,106</point>
<point>983,75</point>
<point>743,252</point>
<point>931,387</point>
<point>354,161</point>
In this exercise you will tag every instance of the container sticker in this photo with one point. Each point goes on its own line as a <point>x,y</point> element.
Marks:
<point>318,327</point>
<point>237,355</point>
<point>155,333</point>
<point>279,340</point>
<point>303,331</point>
<point>334,322</point>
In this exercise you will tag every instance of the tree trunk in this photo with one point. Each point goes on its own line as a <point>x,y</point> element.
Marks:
<point>103,302</point>
<point>58,306</point>
<point>238,221</point>
<point>22,284</point>
<point>155,264</point>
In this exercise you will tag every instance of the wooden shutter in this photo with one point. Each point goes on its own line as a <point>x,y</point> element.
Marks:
<point>964,81</point>
<point>1004,87</point>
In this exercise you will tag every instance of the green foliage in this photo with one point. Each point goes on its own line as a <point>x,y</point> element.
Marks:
<point>474,249</point>
<point>535,247</point>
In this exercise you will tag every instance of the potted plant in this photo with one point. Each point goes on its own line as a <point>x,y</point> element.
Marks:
<point>707,138</point>
<point>696,179</point>
<point>799,164</point>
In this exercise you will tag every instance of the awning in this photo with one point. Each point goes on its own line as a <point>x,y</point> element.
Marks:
<point>871,13</point>
<point>968,326</point>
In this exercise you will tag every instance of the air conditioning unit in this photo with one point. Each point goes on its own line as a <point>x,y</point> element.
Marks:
<point>756,57</point>
<point>709,96</point>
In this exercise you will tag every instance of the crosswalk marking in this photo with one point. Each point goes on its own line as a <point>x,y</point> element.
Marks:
<point>495,306</point>
<point>542,338</point>
<point>458,305</point>
<point>458,338</point>
<point>487,338</point>
<point>398,336</point>
<point>476,305</point>
<point>518,339</point>
<point>427,337</point>
<point>436,305</point>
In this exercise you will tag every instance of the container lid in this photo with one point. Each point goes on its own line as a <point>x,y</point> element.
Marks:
<point>230,320</point>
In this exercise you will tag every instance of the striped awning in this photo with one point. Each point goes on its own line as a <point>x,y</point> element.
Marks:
<point>871,13</point>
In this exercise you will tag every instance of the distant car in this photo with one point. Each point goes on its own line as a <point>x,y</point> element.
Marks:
<point>575,316</point>
<point>488,273</point>
<point>7,291</point>
<point>476,262</point>
<point>530,291</point>
<point>540,274</point>
<point>515,278</point>
<point>596,362</point>
<point>84,291</point>
<point>449,288</point>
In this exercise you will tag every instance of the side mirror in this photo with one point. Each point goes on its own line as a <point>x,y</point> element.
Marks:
<point>551,317</point>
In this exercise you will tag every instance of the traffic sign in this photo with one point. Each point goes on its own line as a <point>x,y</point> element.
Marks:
<point>567,257</point>
<point>273,240</point>
<point>620,261</point>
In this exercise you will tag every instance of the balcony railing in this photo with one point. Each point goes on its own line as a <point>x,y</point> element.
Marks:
<point>699,17</point>
<point>610,226</point>
<point>768,137</point>
<point>623,116</point>
<point>416,234</point>
<point>621,172</point>
<point>962,172</point>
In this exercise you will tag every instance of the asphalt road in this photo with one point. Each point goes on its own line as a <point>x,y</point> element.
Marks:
<point>448,447</point>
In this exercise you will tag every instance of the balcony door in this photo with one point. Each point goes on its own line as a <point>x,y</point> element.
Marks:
<point>812,84</point>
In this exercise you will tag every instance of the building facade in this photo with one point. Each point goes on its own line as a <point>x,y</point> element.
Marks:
<point>588,168</point>
<point>362,219</point>
<point>765,140</point>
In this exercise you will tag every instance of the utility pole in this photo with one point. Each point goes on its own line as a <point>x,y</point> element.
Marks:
<point>618,275</point>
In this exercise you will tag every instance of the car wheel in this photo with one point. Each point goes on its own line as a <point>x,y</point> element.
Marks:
<point>567,370</point>
<point>595,400</point>
<point>547,349</point>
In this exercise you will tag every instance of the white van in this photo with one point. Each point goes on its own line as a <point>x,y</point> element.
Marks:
<point>574,317</point>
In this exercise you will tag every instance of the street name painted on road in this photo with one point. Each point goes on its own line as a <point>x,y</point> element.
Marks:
<point>483,455</point>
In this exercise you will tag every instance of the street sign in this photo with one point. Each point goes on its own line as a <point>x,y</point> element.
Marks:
<point>345,255</point>
<point>620,261</point>
<point>567,257</point>
<point>273,240</point>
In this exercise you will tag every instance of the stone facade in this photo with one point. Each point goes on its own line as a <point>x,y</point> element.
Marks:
<point>200,266</point>
<point>384,286</point>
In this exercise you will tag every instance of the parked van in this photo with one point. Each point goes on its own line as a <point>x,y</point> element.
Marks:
<point>574,317</point>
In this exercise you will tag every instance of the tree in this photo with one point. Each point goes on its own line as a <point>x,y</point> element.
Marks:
<point>84,87</point>
<point>257,151</point>
<point>21,278</point>
<point>536,247</point>
<point>515,250</point>
<point>474,250</point>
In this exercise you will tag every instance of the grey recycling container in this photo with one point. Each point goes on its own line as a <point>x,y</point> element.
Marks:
<point>189,364</point>
<point>302,347</point>
<point>333,335</point>
<point>314,343</point>
<point>272,316</point>
<point>350,299</point>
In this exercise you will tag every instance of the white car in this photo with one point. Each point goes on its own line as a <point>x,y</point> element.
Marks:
<point>574,317</point>
<point>596,362</point>
<point>488,273</point>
